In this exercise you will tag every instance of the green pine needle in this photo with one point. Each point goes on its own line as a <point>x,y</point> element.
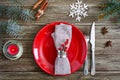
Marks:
<point>27,15</point>
<point>13,29</point>
<point>13,12</point>
<point>17,13</point>
<point>111,9</point>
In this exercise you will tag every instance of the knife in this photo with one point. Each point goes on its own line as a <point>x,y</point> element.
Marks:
<point>92,42</point>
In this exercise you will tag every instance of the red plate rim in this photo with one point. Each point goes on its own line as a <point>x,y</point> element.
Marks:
<point>56,24</point>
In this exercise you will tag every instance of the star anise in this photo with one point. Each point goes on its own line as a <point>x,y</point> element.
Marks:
<point>108,43</point>
<point>104,30</point>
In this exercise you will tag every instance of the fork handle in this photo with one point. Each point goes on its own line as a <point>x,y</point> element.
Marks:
<point>93,62</point>
<point>86,66</point>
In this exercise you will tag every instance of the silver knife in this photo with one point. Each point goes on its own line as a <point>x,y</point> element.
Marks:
<point>92,42</point>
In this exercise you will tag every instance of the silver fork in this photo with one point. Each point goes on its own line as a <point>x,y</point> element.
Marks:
<point>86,60</point>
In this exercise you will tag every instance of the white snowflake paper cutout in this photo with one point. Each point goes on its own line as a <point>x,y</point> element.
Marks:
<point>78,10</point>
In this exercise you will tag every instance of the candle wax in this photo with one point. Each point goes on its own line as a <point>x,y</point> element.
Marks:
<point>13,49</point>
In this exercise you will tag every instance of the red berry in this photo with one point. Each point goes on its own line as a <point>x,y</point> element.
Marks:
<point>66,42</point>
<point>65,49</point>
<point>62,45</point>
<point>60,49</point>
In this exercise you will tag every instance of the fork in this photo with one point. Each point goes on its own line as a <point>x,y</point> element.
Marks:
<point>86,60</point>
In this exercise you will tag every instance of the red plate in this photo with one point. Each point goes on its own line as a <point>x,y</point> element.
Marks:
<point>45,53</point>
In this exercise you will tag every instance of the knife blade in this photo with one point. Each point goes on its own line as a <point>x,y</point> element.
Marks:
<point>92,42</point>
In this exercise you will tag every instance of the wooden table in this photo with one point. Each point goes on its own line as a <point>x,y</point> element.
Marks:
<point>107,59</point>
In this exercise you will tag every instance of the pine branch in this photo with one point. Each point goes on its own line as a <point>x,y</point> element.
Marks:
<point>110,9</point>
<point>17,13</point>
<point>13,12</point>
<point>27,15</point>
<point>13,29</point>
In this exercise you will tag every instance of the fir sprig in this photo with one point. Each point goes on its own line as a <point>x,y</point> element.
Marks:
<point>111,8</point>
<point>17,13</point>
<point>11,28</point>
<point>13,12</point>
<point>27,15</point>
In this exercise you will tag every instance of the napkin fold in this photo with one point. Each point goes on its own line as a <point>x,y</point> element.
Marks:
<point>62,39</point>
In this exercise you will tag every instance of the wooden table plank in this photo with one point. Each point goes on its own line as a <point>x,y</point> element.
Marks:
<point>104,62</point>
<point>107,59</point>
<point>113,31</point>
<point>43,76</point>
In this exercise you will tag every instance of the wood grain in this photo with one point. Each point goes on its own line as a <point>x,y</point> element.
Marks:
<point>107,59</point>
<point>44,76</point>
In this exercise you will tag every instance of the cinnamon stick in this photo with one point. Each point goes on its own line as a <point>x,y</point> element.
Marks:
<point>36,4</point>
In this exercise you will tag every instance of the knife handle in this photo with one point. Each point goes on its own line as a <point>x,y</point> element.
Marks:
<point>93,62</point>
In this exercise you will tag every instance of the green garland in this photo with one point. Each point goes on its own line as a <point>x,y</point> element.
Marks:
<point>17,13</point>
<point>110,8</point>
<point>14,14</point>
<point>13,29</point>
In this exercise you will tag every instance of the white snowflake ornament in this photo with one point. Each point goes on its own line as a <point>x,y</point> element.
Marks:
<point>78,10</point>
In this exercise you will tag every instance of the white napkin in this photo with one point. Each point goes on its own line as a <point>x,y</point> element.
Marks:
<point>62,33</point>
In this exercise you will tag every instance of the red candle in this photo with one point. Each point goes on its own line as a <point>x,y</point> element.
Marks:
<point>12,49</point>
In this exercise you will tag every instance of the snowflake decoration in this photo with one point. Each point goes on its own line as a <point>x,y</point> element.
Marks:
<point>78,10</point>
